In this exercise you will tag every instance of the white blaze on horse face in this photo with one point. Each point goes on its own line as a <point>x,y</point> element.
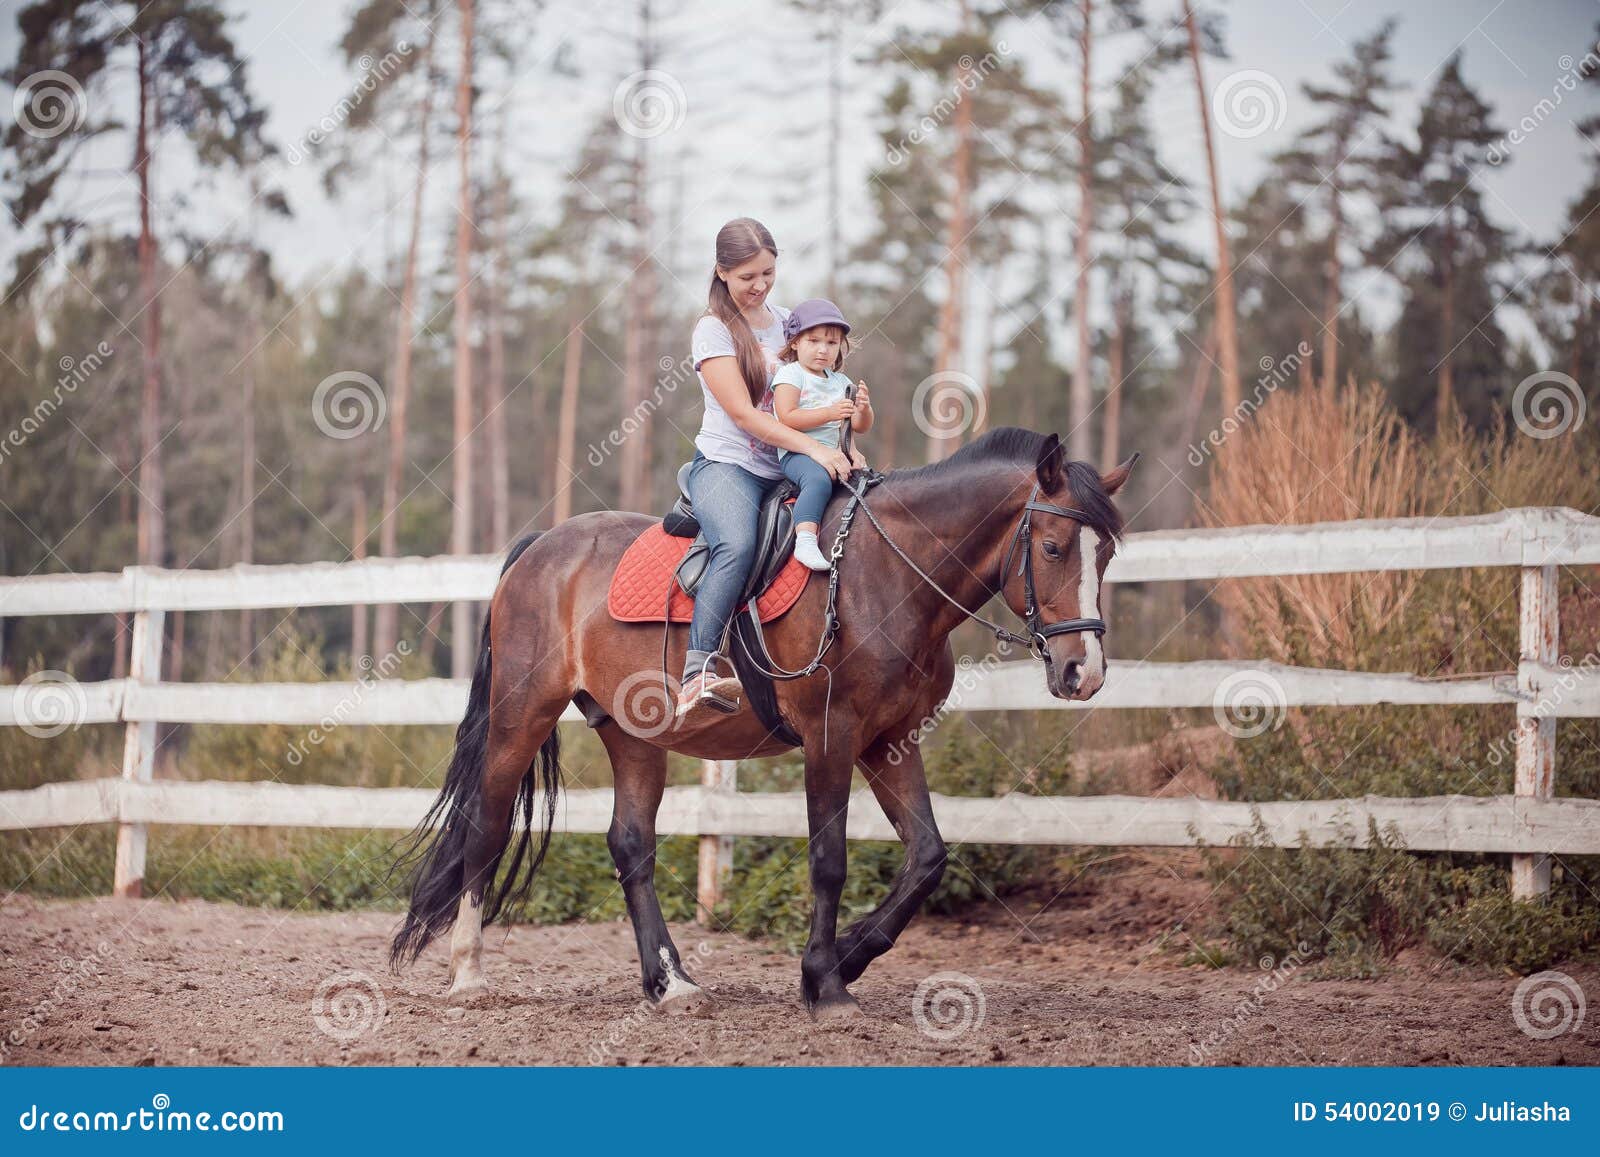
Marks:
<point>1094,656</point>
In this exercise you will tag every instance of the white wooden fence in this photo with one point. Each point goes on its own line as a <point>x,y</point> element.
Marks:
<point>1531,824</point>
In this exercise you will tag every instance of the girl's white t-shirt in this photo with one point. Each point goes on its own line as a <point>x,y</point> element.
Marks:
<point>720,438</point>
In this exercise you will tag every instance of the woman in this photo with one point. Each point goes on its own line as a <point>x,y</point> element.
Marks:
<point>735,349</point>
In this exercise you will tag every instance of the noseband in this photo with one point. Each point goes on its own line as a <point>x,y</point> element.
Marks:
<point>1039,632</point>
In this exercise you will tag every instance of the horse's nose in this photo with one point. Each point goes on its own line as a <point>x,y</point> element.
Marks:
<point>1071,675</point>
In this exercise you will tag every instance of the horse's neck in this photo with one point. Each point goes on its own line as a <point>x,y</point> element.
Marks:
<point>956,530</point>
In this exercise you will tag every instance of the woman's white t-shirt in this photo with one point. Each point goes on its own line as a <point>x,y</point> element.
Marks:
<point>720,438</point>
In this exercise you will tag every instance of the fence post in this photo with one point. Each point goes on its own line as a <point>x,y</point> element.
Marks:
<point>1536,737</point>
<point>716,852</point>
<point>139,750</point>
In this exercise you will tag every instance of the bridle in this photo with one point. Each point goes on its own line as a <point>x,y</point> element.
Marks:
<point>1039,631</point>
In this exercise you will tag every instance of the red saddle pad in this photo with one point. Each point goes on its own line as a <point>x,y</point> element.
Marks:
<point>639,587</point>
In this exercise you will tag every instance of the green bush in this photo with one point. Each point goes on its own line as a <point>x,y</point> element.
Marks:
<point>1359,906</point>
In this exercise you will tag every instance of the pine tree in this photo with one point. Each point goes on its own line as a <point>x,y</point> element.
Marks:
<point>1450,257</point>
<point>1338,157</point>
<point>188,78</point>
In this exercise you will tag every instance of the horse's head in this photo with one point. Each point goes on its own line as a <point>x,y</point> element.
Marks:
<point>1068,552</point>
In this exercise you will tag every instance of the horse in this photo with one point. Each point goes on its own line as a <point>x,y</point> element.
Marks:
<point>942,543</point>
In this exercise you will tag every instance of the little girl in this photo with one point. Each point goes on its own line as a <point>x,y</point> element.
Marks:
<point>808,393</point>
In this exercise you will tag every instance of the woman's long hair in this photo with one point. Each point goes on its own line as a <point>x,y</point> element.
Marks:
<point>737,242</point>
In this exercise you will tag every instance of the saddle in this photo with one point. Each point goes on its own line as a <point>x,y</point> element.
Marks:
<point>662,568</point>
<point>774,537</point>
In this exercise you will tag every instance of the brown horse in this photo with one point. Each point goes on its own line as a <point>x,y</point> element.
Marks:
<point>938,543</point>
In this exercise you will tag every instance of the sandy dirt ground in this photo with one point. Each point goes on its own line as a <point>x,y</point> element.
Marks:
<point>1080,983</point>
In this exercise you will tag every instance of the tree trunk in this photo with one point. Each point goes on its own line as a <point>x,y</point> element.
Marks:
<point>942,437</point>
<point>1226,316</point>
<point>1080,436</point>
<point>835,135</point>
<point>1447,321</point>
<point>245,550</point>
<point>388,614</point>
<point>461,612</point>
<point>1111,438</point>
<point>152,533</point>
<point>499,465</point>
<point>1333,294</point>
<point>567,435</point>
<point>636,418</point>
<point>358,534</point>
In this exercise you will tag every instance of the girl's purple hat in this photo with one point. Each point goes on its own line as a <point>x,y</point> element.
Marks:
<point>811,313</point>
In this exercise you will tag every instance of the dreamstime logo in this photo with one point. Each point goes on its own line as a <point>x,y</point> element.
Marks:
<point>969,675</point>
<point>603,1050</point>
<point>1573,74</point>
<point>49,103</point>
<point>1274,372</point>
<point>1548,1004</point>
<point>74,372</point>
<point>50,702</point>
<point>1275,973</point>
<point>1249,703</point>
<point>674,373</point>
<point>948,1005</point>
<point>348,404</point>
<point>85,972</point>
<point>643,705</point>
<point>1547,404</point>
<point>1551,697</point>
<point>650,104</point>
<point>947,404</point>
<point>970,74</point>
<point>348,1005</point>
<point>1249,103</point>
<point>373,73</point>
<point>369,675</point>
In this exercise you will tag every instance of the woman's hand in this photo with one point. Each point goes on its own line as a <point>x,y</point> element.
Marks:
<point>857,460</point>
<point>831,459</point>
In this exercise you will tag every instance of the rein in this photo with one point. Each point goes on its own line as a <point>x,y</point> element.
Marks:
<point>1039,632</point>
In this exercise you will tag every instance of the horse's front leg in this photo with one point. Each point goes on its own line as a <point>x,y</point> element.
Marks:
<point>827,806</point>
<point>895,772</point>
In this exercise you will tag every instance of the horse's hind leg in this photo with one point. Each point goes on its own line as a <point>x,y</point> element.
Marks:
<point>896,776</point>
<point>512,748</point>
<point>639,770</point>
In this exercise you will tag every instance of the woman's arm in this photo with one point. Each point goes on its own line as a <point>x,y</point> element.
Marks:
<point>786,403</point>
<point>727,386</point>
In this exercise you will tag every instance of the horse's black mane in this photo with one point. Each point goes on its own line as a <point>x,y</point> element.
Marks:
<point>1015,446</point>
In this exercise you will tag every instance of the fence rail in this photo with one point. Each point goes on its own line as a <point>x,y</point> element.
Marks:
<point>1530,824</point>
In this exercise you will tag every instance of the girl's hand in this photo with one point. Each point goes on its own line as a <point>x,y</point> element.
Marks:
<point>831,459</point>
<point>863,398</point>
<point>840,410</point>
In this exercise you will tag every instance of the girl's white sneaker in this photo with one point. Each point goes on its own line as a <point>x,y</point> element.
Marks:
<point>807,551</point>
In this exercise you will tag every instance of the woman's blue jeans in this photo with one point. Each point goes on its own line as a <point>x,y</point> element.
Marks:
<point>816,487</point>
<point>727,502</point>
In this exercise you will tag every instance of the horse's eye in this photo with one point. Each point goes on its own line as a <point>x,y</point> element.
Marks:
<point>1051,550</point>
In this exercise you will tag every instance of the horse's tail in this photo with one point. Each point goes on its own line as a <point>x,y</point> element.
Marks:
<point>434,860</point>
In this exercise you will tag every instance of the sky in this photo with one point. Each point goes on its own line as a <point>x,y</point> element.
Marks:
<point>746,85</point>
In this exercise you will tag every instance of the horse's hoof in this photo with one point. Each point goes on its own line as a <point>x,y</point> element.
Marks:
<point>467,992</point>
<point>841,1007</point>
<point>691,1003</point>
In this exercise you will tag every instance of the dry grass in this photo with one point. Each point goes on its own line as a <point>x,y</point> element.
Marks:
<point>1318,455</point>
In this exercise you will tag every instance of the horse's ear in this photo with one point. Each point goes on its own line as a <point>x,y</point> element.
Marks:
<point>1114,481</point>
<point>1051,465</point>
